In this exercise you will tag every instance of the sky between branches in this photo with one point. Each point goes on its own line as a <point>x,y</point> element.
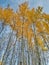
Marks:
<point>32,3</point>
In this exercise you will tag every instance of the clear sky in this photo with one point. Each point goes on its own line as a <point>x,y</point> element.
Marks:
<point>32,3</point>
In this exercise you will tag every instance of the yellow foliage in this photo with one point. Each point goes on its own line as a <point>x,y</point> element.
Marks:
<point>39,26</point>
<point>44,48</point>
<point>46,16</point>
<point>8,15</point>
<point>1,14</point>
<point>46,27</point>
<point>40,42</point>
<point>1,63</point>
<point>22,8</point>
<point>30,15</point>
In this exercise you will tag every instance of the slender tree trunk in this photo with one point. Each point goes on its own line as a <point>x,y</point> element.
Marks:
<point>6,49</point>
<point>36,47</point>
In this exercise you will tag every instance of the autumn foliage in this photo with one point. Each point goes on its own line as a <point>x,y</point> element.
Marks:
<point>28,22</point>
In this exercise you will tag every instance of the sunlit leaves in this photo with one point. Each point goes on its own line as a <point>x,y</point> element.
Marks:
<point>39,26</point>
<point>1,13</point>
<point>46,16</point>
<point>46,27</point>
<point>45,49</point>
<point>22,9</point>
<point>8,14</point>
<point>40,41</point>
<point>1,63</point>
<point>30,14</point>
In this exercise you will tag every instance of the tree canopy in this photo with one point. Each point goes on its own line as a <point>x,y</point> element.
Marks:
<point>29,23</point>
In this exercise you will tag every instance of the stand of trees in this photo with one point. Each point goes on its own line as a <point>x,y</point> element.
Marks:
<point>32,32</point>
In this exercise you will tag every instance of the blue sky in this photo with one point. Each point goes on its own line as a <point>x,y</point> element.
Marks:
<point>32,3</point>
